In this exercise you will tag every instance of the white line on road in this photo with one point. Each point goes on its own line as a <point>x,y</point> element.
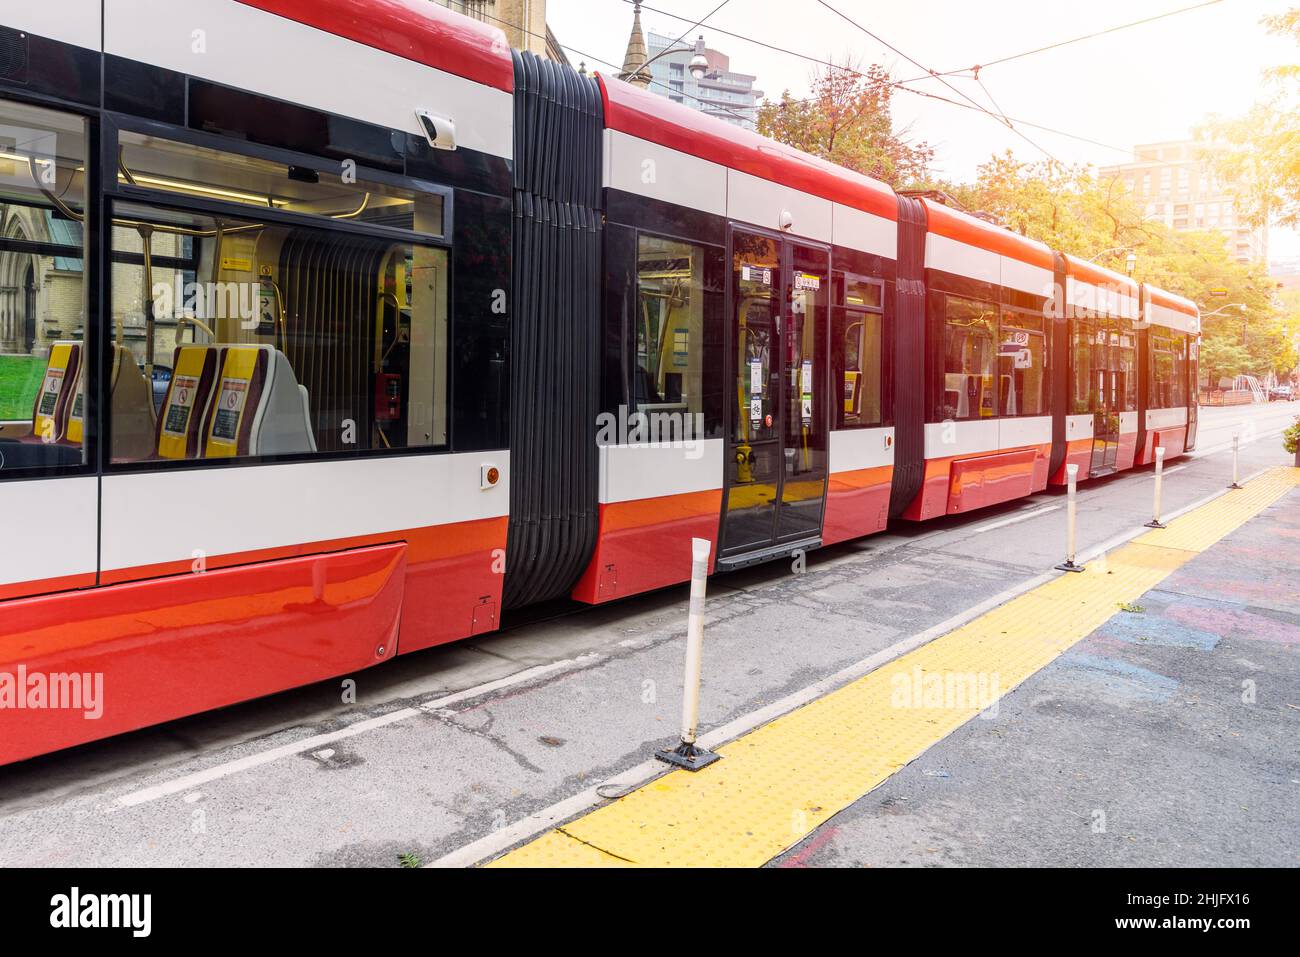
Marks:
<point>315,742</point>
<point>980,529</point>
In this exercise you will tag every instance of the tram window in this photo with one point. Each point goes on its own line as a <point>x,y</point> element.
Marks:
<point>1180,371</point>
<point>42,288</point>
<point>1126,370</point>
<point>856,356</point>
<point>1022,365</point>
<point>1082,397</point>
<point>186,170</point>
<point>970,348</point>
<point>258,338</point>
<point>1164,391</point>
<point>672,312</point>
<point>858,292</point>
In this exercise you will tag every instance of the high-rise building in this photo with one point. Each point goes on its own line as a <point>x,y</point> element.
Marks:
<point>1172,183</point>
<point>693,74</point>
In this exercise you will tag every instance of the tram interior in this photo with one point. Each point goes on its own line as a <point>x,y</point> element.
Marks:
<point>234,333</point>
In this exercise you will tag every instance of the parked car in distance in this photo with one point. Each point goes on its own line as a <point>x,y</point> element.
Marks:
<point>1282,392</point>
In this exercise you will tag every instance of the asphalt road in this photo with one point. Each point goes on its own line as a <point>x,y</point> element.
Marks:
<point>302,778</point>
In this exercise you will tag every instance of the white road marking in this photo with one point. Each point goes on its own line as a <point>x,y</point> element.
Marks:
<point>1024,516</point>
<point>315,742</point>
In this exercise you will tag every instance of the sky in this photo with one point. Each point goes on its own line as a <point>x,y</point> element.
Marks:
<point>1139,85</point>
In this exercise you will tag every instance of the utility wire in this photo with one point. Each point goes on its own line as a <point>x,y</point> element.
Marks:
<point>845,17</point>
<point>1064,43</point>
<point>897,84</point>
<point>619,69</point>
<point>686,31</point>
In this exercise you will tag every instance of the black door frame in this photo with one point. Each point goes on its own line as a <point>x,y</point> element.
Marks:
<point>775,546</point>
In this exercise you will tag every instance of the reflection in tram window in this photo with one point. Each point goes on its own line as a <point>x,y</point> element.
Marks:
<point>260,338</point>
<point>194,171</point>
<point>856,345</point>
<point>1022,365</point>
<point>1082,398</point>
<point>969,352</point>
<point>670,325</point>
<point>756,268</point>
<point>42,304</point>
<point>1168,379</point>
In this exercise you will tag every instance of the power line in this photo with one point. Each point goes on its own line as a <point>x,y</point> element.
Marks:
<point>897,84</point>
<point>618,69</point>
<point>683,36</point>
<point>1064,43</point>
<point>919,66</point>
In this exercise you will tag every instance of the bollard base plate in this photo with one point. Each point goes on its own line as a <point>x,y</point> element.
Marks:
<point>1069,567</point>
<point>1155,524</point>
<point>1235,485</point>
<point>687,756</point>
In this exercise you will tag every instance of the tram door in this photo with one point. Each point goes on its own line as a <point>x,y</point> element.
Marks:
<point>1108,396</point>
<point>775,460</point>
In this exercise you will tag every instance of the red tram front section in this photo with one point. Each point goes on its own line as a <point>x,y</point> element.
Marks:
<point>345,329</point>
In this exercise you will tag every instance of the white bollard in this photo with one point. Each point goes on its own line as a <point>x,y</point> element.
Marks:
<point>686,754</point>
<point>1160,477</point>
<point>1236,473</point>
<point>1072,491</point>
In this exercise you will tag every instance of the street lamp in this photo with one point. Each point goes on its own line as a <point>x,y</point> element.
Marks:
<point>1231,305</point>
<point>1130,261</point>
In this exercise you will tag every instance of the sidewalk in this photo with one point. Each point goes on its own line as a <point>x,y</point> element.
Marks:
<point>1172,662</point>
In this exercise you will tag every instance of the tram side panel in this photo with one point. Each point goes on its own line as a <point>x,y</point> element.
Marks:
<point>323,482</point>
<point>988,430</point>
<point>1170,362</point>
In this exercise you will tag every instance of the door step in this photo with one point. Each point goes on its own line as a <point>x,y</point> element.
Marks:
<point>1101,471</point>
<point>732,562</point>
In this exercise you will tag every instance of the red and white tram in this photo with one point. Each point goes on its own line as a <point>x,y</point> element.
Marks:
<point>332,329</point>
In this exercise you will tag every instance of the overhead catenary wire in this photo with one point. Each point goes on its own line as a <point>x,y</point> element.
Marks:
<point>920,66</point>
<point>1064,43</point>
<point>896,84</point>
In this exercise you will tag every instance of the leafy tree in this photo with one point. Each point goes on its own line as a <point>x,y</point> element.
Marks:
<point>1222,357</point>
<point>847,119</point>
<point>1261,150</point>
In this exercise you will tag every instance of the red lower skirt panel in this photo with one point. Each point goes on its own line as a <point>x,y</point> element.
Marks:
<point>118,658</point>
<point>960,484</point>
<point>1077,452</point>
<point>857,503</point>
<point>646,544</point>
<point>1174,440</point>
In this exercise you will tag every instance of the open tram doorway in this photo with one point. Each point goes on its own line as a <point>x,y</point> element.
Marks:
<point>1114,387</point>
<point>775,459</point>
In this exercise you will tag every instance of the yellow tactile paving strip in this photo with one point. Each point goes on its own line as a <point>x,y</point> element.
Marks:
<point>778,783</point>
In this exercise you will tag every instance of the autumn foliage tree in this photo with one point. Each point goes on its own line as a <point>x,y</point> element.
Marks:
<point>1260,152</point>
<point>847,119</point>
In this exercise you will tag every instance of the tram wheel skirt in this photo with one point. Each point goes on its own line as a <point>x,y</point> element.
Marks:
<point>123,657</point>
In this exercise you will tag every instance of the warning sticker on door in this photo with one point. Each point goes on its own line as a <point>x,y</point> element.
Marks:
<point>230,408</point>
<point>756,410</point>
<point>756,376</point>
<point>180,404</point>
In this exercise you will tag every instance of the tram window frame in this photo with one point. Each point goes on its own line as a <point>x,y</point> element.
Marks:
<point>844,315</point>
<point>49,120</point>
<point>1172,378</point>
<point>1082,330</point>
<point>948,412</point>
<point>1031,323</point>
<point>122,191</point>
<point>706,405</point>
